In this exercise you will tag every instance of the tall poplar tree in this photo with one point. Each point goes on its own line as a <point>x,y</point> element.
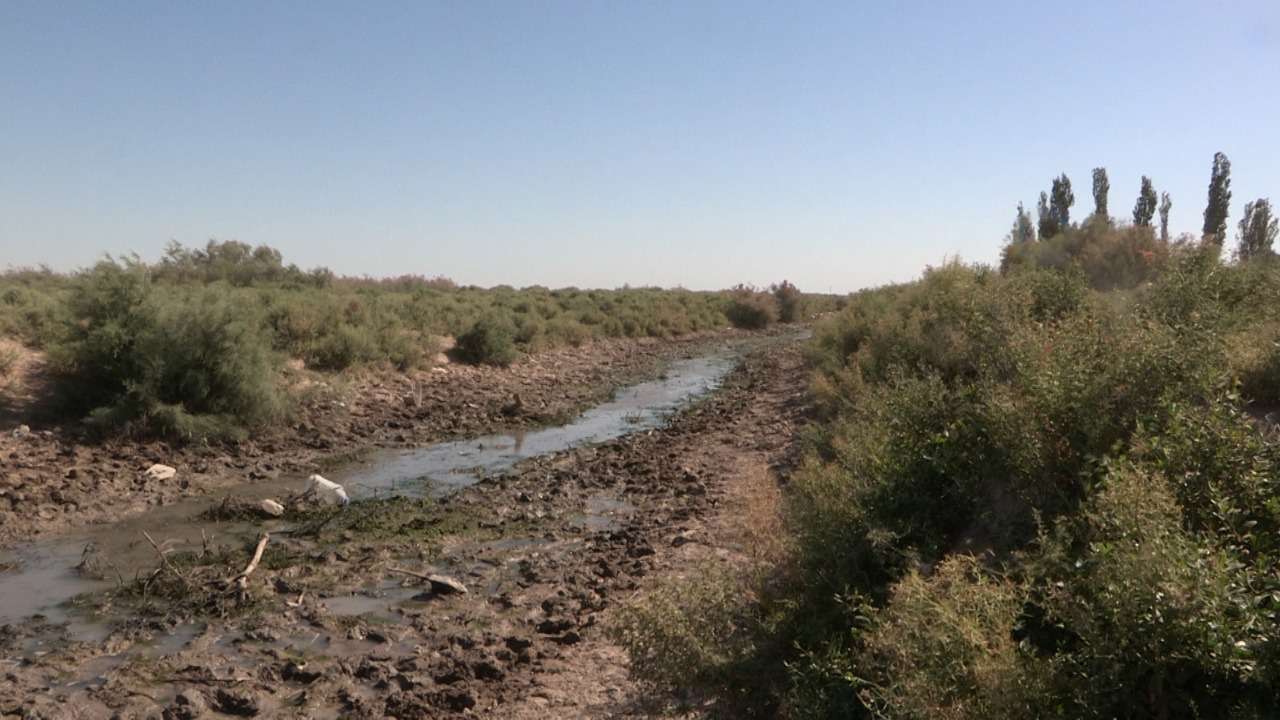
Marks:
<point>1166,204</point>
<point>1060,201</point>
<point>1258,230</point>
<point>1215,213</point>
<point>1101,186</point>
<point>1145,208</point>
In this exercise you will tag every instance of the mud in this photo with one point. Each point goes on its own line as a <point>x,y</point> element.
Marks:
<point>328,628</point>
<point>54,477</point>
<point>40,574</point>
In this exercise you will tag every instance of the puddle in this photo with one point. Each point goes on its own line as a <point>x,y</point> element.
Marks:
<point>379,604</point>
<point>603,512</point>
<point>40,577</point>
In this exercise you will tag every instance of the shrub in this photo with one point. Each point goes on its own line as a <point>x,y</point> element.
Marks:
<point>1158,622</point>
<point>944,647</point>
<point>31,307</point>
<point>788,299</point>
<point>700,634</point>
<point>342,346</point>
<point>566,331</point>
<point>1088,449</point>
<point>193,366</point>
<point>490,341</point>
<point>1110,257</point>
<point>750,309</point>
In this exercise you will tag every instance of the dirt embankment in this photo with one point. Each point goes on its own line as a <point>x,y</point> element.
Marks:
<point>332,628</point>
<point>54,477</point>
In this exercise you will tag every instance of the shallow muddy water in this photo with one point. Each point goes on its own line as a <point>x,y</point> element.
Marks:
<point>43,575</point>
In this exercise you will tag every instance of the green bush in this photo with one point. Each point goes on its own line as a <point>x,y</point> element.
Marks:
<point>31,306</point>
<point>944,647</point>
<point>194,366</point>
<point>685,633</point>
<point>341,347</point>
<point>491,341</point>
<point>698,636</point>
<point>1155,620</point>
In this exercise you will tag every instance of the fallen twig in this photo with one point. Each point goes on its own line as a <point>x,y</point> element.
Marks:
<point>410,573</point>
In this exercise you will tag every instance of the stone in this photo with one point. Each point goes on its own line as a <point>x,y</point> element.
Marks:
<point>271,508</point>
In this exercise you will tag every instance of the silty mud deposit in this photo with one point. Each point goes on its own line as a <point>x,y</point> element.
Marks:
<point>39,578</point>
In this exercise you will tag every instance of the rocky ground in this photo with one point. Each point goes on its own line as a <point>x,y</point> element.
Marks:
<point>52,476</point>
<point>340,619</point>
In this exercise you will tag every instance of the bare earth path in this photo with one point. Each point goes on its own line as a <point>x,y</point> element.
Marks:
<point>331,626</point>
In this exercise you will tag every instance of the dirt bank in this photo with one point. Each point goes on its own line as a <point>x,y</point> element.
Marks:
<point>331,626</point>
<point>54,477</point>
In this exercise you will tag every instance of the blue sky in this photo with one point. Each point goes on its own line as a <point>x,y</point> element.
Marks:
<point>701,144</point>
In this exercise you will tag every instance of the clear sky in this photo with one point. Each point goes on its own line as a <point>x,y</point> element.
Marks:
<point>598,143</point>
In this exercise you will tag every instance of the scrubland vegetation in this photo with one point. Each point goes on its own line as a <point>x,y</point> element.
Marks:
<point>1045,491</point>
<point>192,346</point>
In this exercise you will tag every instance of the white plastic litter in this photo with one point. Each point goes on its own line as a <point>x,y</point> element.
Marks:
<point>327,489</point>
<point>160,472</point>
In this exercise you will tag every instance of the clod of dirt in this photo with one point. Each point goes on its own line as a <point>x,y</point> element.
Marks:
<point>188,705</point>
<point>235,702</point>
<point>294,672</point>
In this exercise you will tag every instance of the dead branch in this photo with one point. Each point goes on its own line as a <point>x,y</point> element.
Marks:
<point>164,559</point>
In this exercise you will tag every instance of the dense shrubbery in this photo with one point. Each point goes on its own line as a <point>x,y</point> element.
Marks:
<point>192,364</point>
<point>490,341</point>
<point>201,333</point>
<point>1028,498</point>
<point>1110,257</point>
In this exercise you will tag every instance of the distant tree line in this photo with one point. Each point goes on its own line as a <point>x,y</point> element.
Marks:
<point>1256,233</point>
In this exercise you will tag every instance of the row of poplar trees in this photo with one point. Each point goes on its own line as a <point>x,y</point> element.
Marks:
<point>1256,232</point>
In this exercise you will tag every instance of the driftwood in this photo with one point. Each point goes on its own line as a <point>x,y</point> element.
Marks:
<point>242,580</point>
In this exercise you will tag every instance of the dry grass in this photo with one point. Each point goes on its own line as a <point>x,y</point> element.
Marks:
<point>754,519</point>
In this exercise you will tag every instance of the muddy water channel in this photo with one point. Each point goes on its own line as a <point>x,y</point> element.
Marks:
<point>40,577</point>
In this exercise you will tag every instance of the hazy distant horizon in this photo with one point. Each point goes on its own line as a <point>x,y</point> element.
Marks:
<point>593,145</point>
